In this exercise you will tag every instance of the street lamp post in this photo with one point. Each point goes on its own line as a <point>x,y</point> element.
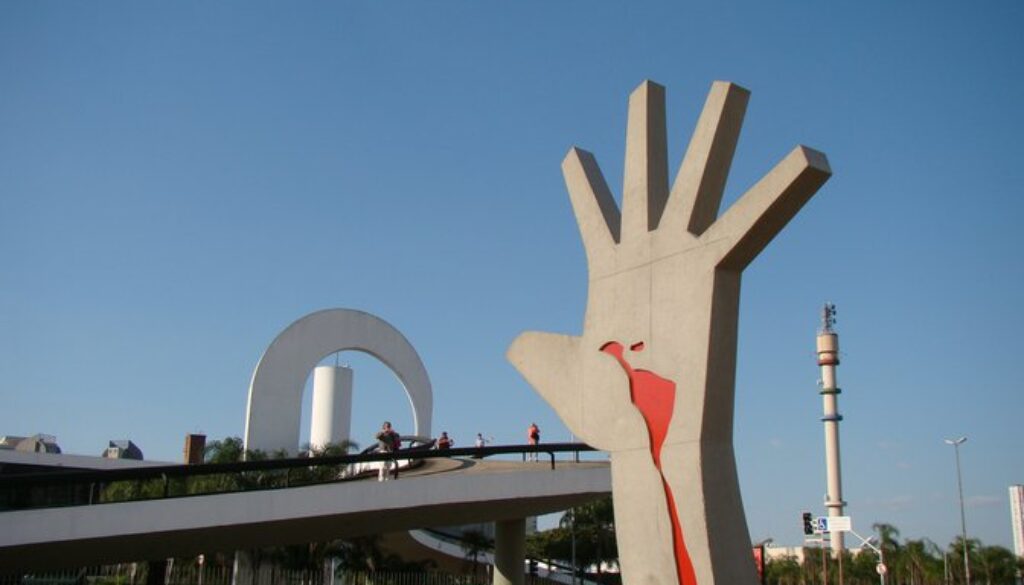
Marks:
<point>963,522</point>
<point>572,534</point>
<point>880,568</point>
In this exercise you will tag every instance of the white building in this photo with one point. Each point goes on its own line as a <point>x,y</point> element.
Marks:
<point>1017,518</point>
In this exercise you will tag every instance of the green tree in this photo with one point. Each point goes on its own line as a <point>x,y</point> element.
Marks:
<point>228,450</point>
<point>594,527</point>
<point>889,543</point>
<point>355,554</point>
<point>311,556</point>
<point>122,491</point>
<point>783,571</point>
<point>475,543</point>
<point>550,545</point>
<point>921,562</point>
<point>860,570</point>
<point>322,473</point>
<point>812,569</point>
<point>360,554</point>
<point>330,449</point>
<point>956,558</point>
<point>996,565</point>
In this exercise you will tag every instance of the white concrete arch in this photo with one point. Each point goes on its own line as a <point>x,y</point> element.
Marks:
<point>274,411</point>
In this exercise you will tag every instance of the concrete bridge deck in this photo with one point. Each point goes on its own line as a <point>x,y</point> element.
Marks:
<point>440,492</point>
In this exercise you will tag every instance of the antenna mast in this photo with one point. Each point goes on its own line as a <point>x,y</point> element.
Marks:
<point>828,359</point>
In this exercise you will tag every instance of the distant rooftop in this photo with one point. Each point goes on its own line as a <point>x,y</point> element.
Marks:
<point>38,443</point>
<point>122,449</point>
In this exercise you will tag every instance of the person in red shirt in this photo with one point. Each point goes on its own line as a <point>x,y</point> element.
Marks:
<point>533,437</point>
<point>443,442</point>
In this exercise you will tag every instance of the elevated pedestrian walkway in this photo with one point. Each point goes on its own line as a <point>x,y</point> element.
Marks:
<point>442,491</point>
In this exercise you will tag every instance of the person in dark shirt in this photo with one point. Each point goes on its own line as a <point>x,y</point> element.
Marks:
<point>388,441</point>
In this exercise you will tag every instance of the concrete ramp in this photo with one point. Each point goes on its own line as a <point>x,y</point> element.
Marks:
<point>441,492</point>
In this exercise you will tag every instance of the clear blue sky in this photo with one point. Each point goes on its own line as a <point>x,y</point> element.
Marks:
<point>179,182</point>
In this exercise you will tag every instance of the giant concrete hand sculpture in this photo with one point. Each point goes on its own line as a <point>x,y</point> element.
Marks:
<point>651,380</point>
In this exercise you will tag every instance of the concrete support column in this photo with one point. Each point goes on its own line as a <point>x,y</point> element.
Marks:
<point>509,551</point>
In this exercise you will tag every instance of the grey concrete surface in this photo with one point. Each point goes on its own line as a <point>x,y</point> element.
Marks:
<point>509,551</point>
<point>666,272</point>
<point>443,492</point>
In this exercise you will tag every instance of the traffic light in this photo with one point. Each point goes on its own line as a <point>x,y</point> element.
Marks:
<point>808,527</point>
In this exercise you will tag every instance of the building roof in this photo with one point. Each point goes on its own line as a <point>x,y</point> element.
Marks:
<point>122,449</point>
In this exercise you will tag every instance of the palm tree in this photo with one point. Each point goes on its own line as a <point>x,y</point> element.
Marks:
<point>360,554</point>
<point>329,450</point>
<point>475,543</point>
<point>956,556</point>
<point>891,550</point>
<point>921,563</point>
<point>322,473</point>
<point>227,450</point>
<point>997,564</point>
<point>861,568</point>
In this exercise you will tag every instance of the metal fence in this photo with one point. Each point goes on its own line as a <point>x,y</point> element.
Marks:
<point>137,574</point>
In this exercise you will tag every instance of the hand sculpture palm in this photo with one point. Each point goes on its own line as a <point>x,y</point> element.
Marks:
<point>664,277</point>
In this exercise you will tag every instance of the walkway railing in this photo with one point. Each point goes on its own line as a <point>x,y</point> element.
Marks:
<point>79,488</point>
<point>189,574</point>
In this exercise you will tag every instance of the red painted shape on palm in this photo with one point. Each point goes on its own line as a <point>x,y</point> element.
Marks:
<point>654,396</point>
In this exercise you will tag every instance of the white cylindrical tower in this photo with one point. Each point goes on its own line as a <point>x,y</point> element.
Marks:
<point>828,359</point>
<point>332,405</point>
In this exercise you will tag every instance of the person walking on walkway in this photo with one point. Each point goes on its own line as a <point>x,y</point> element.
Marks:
<point>533,437</point>
<point>388,441</point>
